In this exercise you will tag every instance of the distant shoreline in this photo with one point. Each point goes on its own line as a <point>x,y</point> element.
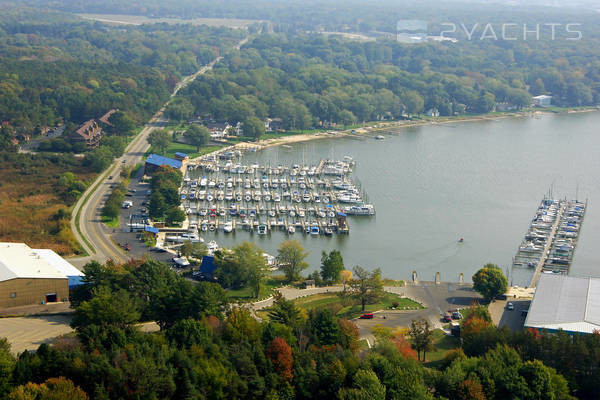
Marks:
<point>389,126</point>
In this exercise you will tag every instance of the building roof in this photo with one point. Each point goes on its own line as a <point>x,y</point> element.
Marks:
<point>542,97</point>
<point>62,265</point>
<point>159,161</point>
<point>84,129</point>
<point>182,155</point>
<point>105,118</point>
<point>17,260</point>
<point>565,302</point>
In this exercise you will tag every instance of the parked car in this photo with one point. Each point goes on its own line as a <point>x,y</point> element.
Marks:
<point>110,177</point>
<point>447,318</point>
<point>367,316</point>
<point>510,306</point>
<point>456,315</point>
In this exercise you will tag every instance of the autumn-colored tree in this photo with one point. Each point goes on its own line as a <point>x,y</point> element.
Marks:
<point>349,336</point>
<point>470,390</point>
<point>52,389</point>
<point>280,354</point>
<point>404,347</point>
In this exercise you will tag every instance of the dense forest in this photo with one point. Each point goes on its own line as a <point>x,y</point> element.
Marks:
<point>309,79</point>
<point>207,349</point>
<point>58,68</point>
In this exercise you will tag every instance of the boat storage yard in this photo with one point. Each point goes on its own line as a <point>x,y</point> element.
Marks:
<point>550,242</point>
<point>220,194</point>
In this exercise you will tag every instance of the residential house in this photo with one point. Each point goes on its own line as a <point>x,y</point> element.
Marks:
<point>542,101</point>
<point>89,132</point>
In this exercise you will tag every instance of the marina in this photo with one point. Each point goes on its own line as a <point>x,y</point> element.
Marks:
<point>432,185</point>
<point>222,194</point>
<point>549,244</point>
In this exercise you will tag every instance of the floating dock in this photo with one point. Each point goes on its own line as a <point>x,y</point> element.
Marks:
<point>550,242</point>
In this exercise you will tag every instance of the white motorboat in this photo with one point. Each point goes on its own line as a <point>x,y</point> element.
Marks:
<point>291,229</point>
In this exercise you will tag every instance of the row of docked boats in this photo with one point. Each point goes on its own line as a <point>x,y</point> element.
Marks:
<point>551,239</point>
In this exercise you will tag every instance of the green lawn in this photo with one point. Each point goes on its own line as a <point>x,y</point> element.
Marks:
<point>266,290</point>
<point>443,344</point>
<point>190,150</point>
<point>393,282</point>
<point>111,222</point>
<point>350,311</point>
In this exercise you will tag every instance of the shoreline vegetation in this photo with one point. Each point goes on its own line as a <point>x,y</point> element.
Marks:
<point>387,126</point>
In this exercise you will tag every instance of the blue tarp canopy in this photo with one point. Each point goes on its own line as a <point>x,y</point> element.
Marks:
<point>151,230</point>
<point>208,265</point>
<point>159,161</point>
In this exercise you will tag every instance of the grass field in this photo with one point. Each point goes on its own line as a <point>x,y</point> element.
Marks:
<point>266,290</point>
<point>30,199</point>
<point>443,344</point>
<point>347,308</point>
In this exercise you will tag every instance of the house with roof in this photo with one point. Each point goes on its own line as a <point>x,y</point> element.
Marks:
<point>567,303</point>
<point>89,133</point>
<point>106,117</point>
<point>28,277</point>
<point>542,100</point>
<point>154,161</point>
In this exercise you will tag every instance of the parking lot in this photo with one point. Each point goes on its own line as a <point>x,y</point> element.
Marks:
<point>437,298</point>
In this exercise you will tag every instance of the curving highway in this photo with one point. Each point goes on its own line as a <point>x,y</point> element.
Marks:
<point>86,220</point>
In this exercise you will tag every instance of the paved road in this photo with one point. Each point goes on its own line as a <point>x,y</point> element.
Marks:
<point>99,244</point>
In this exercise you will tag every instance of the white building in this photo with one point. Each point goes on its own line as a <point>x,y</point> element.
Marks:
<point>565,303</point>
<point>542,101</point>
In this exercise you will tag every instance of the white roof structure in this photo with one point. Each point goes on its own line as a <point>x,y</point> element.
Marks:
<point>565,302</point>
<point>17,260</point>
<point>62,265</point>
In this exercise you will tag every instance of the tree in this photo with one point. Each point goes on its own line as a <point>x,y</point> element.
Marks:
<point>291,256</point>
<point>191,249</point>
<point>366,286</point>
<point>7,365</point>
<point>174,215</point>
<point>285,311</point>
<point>490,282</point>
<point>52,389</point>
<point>347,117</point>
<point>157,206</point>
<point>197,135</point>
<point>365,386</point>
<point>253,127</point>
<point>106,307</point>
<point>160,140</point>
<point>331,266</point>
<point>345,277</point>
<point>538,88</point>
<point>280,354</point>
<point>179,109</point>
<point>122,124</point>
<point>413,102</point>
<point>422,336</point>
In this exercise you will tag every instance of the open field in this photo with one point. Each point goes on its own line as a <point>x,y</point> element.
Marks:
<point>345,308</point>
<point>30,199</point>
<point>140,19</point>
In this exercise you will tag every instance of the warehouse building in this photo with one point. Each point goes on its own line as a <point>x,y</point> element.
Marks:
<point>27,277</point>
<point>567,303</point>
<point>154,161</point>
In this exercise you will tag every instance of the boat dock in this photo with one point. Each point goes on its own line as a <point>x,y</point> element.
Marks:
<point>550,242</point>
<point>220,193</point>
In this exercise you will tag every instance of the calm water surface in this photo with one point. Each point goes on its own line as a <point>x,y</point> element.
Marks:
<point>432,185</point>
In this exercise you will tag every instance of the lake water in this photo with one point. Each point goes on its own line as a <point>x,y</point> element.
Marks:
<point>434,184</point>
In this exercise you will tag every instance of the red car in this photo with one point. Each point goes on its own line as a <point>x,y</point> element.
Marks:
<point>447,318</point>
<point>367,316</point>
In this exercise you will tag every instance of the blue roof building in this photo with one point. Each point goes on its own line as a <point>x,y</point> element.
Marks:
<point>154,161</point>
<point>180,156</point>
